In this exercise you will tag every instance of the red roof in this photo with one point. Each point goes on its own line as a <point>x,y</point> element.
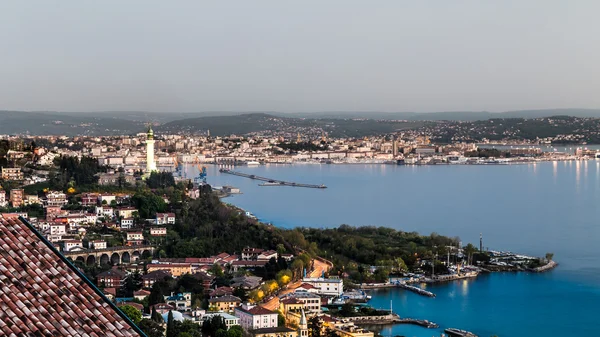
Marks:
<point>42,294</point>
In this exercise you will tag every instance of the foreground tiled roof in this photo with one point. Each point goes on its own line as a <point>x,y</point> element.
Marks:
<point>42,294</point>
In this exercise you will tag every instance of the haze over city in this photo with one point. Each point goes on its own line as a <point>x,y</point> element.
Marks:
<point>305,56</point>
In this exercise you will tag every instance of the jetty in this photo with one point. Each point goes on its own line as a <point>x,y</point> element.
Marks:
<point>549,266</point>
<point>390,319</point>
<point>269,181</point>
<point>414,289</point>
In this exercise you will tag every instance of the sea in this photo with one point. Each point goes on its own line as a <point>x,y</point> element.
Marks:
<point>525,208</point>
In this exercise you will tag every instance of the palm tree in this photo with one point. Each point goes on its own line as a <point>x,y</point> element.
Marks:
<point>470,250</point>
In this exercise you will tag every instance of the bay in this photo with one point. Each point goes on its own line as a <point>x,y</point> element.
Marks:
<point>529,208</point>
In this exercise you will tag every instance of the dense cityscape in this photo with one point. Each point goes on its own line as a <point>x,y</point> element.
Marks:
<point>120,209</point>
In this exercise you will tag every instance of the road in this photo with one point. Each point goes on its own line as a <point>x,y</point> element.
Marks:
<point>318,268</point>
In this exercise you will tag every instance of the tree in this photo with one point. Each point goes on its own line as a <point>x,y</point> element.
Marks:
<point>347,309</point>
<point>549,256</point>
<point>314,327</point>
<point>151,328</point>
<point>211,326</point>
<point>470,250</point>
<point>134,315</point>
<point>156,317</point>
<point>283,277</point>
<point>280,319</point>
<point>171,329</point>
<point>235,331</point>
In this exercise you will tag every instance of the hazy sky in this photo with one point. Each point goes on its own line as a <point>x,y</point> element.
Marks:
<point>304,55</point>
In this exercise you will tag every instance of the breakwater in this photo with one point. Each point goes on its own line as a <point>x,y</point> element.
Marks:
<point>390,319</point>
<point>269,181</point>
<point>549,266</point>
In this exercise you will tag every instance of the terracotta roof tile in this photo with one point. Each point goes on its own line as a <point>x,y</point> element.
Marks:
<point>43,295</point>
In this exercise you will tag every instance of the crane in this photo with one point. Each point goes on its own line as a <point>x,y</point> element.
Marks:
<point>201,178</point>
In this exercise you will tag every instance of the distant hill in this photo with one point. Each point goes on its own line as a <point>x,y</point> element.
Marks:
<point>336,124</point>
<point>257,122</point>
<point>449,115</point>
<point>46,123</point>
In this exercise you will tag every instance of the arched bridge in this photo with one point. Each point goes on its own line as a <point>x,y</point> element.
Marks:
<point>111,255</point>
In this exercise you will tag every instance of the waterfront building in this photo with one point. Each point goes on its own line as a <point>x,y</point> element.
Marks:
<point>326,286</point>
<point>16,197</point>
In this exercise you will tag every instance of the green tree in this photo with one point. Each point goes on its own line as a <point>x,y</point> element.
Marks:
<point>470,250</point>
<point>549,256</point>
<point>235,331</point>
<point>211,326</point>
<point>171,328</point>
<point>314,327</point>
<point>156,317</point>
<point>134,315</point>
<point>151,328</point>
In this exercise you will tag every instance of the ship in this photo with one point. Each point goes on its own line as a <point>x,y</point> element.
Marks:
<point>272,183</point>
<point>355,296</point>
<point>252,163</point>
<point>459,333</point>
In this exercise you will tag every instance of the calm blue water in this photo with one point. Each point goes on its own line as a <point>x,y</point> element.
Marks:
<point>533,209</point>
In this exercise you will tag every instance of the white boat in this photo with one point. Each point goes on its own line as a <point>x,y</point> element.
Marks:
<point>252,163</point>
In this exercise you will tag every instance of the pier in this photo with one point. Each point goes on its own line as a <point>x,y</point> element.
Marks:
<point>269,181</point>
<point>416,290</point>
<point>390,319</point>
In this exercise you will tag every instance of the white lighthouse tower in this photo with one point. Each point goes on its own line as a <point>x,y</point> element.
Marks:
<point>150,164</point>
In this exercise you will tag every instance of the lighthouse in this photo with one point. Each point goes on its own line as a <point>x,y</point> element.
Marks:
<point>150,164</point>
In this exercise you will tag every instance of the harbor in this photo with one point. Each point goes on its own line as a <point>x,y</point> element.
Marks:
<point>269,181</point>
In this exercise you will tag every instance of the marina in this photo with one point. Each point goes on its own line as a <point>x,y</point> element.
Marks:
<point>270,182</point>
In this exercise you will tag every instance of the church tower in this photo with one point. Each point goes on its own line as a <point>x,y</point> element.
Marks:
<point>303,326</point>
<point>150,164</point>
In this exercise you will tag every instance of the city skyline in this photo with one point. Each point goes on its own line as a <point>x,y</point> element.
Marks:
<point>270,56</point>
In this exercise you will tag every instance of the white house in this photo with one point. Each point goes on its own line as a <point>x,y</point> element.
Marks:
<point>267,255</point>
<point>127,223</point>
<point>165,218</point>
<point>70,244</point>
<point>326,286</point>
<point>158,231</point>
<point>256,317</point>
<point>97,244</point>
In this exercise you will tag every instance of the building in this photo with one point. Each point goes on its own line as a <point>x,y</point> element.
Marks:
<point>326,286</point>
<point>89,199</point>
<point>135,238</point>
<point>114,179</point>
<point>97,244</point>
<point>127,212</point>
<point>237,265</point>
<point>56,199</point>
<point>251,253</point>
<point>225,303</point>
<point>158,231</point>
<point>310,302</point>
<point>267,255</point>
<point>12,173</point>
<point>126,223</point>
<point>256,318</point>
<point>165,218</point>
<point>70,245</point>
<point>141,294</point>
<point>59,300</point>
<point>154,276</point>
<point>280,331</point>
<point>230,320</point>
<point>176,269</point>
<point>113,278</point>
<point>2,198</point>
<point>150,163</point>
<point>181,301</point>
<point>16,197</point>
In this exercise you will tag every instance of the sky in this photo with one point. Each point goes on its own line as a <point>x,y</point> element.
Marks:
<point>299,56</point>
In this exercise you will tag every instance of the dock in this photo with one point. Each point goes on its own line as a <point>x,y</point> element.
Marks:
<point>416,290</point>
<point>269,181</point>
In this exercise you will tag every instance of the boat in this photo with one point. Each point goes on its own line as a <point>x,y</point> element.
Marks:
<point>252,163</point>
<point>459,333</point>
<point>356,296</point>
<point>271,183</point>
